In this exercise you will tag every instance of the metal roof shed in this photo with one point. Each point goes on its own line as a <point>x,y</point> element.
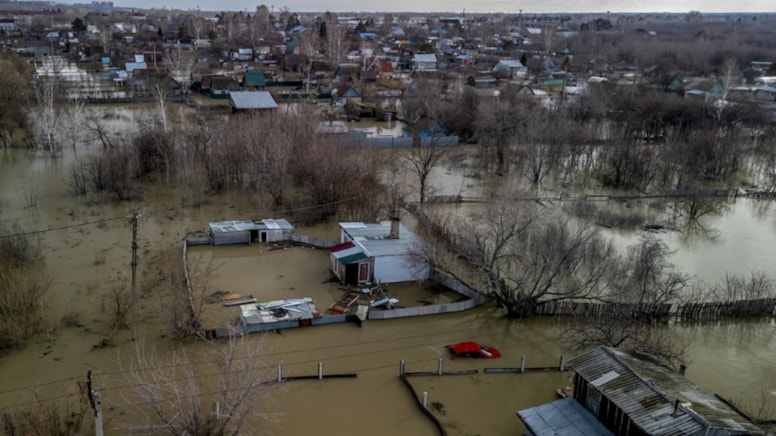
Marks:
<point>247,231</point>
<point>561,417</point>
<point>632,395</point>
<point>251,100</point>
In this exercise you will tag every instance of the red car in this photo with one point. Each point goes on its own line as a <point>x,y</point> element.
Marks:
<point>473,349</point>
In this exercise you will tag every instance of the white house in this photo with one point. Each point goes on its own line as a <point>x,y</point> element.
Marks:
<point>424,62</point>
<point>380,253</point>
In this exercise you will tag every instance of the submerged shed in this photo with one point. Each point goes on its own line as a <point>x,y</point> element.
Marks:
<point>635,396</point>
<point>249,231</point>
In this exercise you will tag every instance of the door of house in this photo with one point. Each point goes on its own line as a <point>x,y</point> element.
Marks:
<point>363,272</point>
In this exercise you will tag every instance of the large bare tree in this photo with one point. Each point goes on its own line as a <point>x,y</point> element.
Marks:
<point>527,257</point>
<point>214,393</point>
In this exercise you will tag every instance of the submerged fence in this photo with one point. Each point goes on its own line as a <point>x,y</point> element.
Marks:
<point>762,307</point>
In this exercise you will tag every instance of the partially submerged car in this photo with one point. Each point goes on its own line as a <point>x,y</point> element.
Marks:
<point>473,349</point>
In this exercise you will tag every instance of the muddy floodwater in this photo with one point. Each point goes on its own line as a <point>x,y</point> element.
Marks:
<point>87,251</point>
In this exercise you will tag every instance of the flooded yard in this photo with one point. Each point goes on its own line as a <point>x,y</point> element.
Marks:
<point>86,245</point>
<point>270,274</point>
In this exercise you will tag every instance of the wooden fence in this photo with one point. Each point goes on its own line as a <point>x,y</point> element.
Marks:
<point>590,309</point>
<point>763,307</point>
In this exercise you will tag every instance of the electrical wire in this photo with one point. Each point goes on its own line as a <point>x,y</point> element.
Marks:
<point>52,229</point>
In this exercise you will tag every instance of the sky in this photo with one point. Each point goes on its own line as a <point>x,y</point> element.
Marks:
<point>457,6</point>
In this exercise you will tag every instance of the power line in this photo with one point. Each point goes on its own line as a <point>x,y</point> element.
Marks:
<point>22,388</point>
<point>282,353</point>
<point>52,229</point>
<point>275,354</point>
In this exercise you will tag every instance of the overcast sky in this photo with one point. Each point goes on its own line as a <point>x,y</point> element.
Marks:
<point>530,6</point>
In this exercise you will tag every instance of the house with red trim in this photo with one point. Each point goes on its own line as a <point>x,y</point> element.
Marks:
<point>376,253</point>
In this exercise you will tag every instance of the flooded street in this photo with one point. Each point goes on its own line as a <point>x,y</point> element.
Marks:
<point>87,252</point>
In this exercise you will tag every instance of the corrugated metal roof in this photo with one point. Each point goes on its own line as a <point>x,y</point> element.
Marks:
<point>252,100</point>
<point>245,225</point>
<point>562,417</point>
<point>647,393</point>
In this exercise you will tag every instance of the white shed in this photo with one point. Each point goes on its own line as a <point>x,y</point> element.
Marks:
<point>248,231</point>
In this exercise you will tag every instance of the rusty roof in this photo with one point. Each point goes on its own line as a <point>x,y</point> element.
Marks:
<point>647,393</point>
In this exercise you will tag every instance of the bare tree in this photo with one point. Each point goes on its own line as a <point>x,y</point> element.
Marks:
<point>736,288</point>
<point>159,88</point>
<point>45,417</point>
<point>619,329</point>
<point>497,128</point>
<point>22,299</point>
<point>181,65</point>
<point>222,391</point>
<point>421,111</point>
<point>46,112</point>
<point>336,42</point>
<point>648,276</point>
<point>12,96</point>
<point>422,159</point>
<point>636,305</point>
<point>529,257</point>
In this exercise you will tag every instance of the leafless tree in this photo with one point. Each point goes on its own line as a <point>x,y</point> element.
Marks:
<point>619,329</point>
<point>45,417</point>
<point>497,128</point>
<point>269,156</point>
<point>529,257</point>
<point>46,113</point>
<point>698,204</point>
<point>736,288</point>
<point>181,65</point>
<point>159,88</point>
<point>422,160</point>
<point>12,96</point>
<point>24,288</point>
<point>336,42</point>
<point>222,391</point>
<point>632,319</point>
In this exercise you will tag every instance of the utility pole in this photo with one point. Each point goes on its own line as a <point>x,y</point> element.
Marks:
<point>94,400</point>
<point>133,220</point>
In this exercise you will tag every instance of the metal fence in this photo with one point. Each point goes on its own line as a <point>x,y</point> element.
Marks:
<point>315,242</point>
<point>475,299</point>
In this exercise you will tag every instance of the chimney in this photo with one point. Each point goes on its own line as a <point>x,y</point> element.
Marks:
<point>394,228</point>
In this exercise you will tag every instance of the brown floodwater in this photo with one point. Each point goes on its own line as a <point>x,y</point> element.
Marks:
<point>733,359</point>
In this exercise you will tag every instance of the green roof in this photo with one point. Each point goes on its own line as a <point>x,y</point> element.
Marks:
<point>254,78</point>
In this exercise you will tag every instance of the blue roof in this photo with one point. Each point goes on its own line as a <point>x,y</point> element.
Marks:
<point>562,417</point>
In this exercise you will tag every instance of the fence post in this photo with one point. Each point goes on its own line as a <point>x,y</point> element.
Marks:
<point>562,362</point>
<point>320,370</point>
<point>424,402</point>
<point>522,363</point>
<point>280,373</point>
<point>401,367</point>
<point>439,367</point>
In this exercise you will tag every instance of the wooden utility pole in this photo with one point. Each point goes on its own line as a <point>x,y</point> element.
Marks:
<point>133,220</point>
<point>94,401</point>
